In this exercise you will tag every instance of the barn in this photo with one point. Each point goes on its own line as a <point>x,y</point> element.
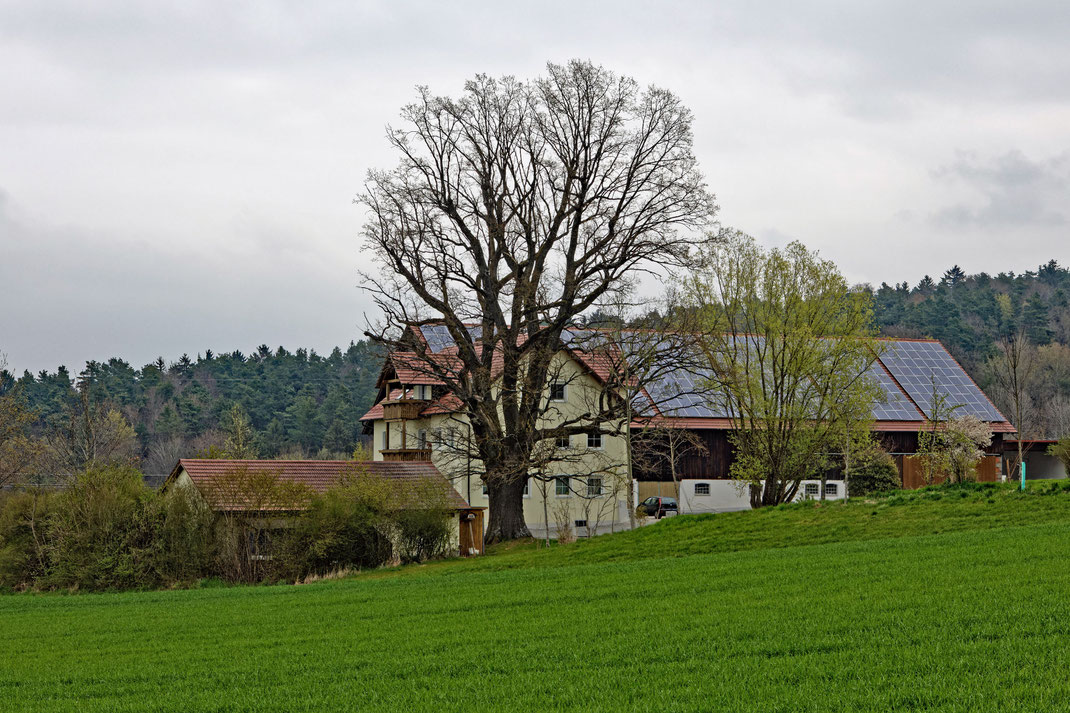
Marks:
<point>909,372</point>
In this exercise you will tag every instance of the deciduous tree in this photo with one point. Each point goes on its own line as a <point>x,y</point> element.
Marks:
<point>789,347</point>
<point>515,208</point>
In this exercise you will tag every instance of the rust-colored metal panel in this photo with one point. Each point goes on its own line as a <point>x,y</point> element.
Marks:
<point>987,471</point>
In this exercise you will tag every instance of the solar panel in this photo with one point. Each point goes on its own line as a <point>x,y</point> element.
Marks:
<point>921,367</point>
<point>438,336</point>
<point>896,406</point>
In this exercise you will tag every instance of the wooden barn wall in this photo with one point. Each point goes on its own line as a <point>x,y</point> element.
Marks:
<point>717,460</point>
<point>714,463</point>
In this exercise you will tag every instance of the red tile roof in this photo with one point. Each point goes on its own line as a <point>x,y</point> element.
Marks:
<point>315,475</point>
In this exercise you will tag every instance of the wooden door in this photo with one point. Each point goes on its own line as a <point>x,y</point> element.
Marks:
<point>471,540</point>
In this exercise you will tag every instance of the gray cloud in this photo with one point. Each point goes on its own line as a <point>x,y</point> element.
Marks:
<point>70,296</point>
<point>1013,191</point>
<point>181,173</point>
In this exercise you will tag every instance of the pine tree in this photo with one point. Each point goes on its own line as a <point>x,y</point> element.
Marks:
<point>953,276</point>
<point>1035,320</point>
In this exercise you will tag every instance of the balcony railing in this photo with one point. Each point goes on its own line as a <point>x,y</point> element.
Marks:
<point>403,409</point>
<point>406,454</point>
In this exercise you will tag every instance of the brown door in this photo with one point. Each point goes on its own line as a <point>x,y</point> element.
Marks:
<point>471,525</point>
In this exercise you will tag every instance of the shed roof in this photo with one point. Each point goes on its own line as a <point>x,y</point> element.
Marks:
<point>317,475</point>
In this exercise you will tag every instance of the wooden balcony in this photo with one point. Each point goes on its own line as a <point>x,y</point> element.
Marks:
<point>404,454</point>
<point>403,409</point>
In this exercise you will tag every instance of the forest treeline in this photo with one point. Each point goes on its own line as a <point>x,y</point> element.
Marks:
<point>297,404</point>
<point>979,317</point>
<point>302,404</point>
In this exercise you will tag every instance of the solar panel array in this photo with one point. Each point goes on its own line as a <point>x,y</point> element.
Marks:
<point>683,394</point>
<point>916,365</point>
<point>919,367</point>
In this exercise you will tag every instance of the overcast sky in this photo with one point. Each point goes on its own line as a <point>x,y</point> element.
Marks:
<point>177,177</point>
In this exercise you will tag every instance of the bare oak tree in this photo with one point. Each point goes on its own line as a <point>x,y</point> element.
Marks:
<point>516,208</point>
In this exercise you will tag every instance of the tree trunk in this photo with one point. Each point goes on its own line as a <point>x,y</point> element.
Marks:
<point>755,496</point>
<point>506,500</point>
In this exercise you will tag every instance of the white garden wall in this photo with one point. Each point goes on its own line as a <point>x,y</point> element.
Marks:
<point>699,496</point>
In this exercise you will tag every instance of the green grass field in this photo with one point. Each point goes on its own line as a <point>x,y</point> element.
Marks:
<point>951,601</point>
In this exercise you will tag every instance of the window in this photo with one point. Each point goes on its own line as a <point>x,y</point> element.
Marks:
<point>594,441</point>
<point>421,438</point>
<point>561,486</point>
<point>557,391</point>
<point>436,438</point>
<point>811,490</point>
<point>484,489</point>
<point>386,438</point>
<point>564,442</point>
<point>831,489</point>
<point>581,523</point>
<point>594,487</point>
<point>702,488</point>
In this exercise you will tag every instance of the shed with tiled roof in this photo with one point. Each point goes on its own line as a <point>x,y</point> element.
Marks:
<point>315,475</point>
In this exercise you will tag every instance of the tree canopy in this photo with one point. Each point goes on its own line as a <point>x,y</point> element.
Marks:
<point>514,209</point>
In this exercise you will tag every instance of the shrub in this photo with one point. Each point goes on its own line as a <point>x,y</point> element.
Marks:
<point>422,516</point>
<point>347,526</point>
<point>102,533</point>
<point>23,537</point>
<point>185,529</point>
<point>1061,450</point>
<point>874,471</point>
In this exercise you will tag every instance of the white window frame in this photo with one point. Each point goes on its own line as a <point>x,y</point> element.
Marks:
<point>811,490</point>
<point>564,391</point>
<point>558,480</point>
<point>702,489</point>
<point>527,488</point>
<point>835,489</point>
<point>600,444</point>
<point>595,479</point>
<point>563,443</point>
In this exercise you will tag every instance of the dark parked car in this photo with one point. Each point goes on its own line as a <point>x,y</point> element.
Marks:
<point>659,507</point>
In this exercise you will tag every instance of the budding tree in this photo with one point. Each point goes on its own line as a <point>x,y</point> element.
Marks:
<point>789,348</point>
<point>515,209</point>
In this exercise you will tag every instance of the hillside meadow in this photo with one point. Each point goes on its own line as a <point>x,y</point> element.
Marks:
<point>913,602</point>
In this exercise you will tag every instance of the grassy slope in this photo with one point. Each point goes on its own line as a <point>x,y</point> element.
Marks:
<point>971,619</point>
